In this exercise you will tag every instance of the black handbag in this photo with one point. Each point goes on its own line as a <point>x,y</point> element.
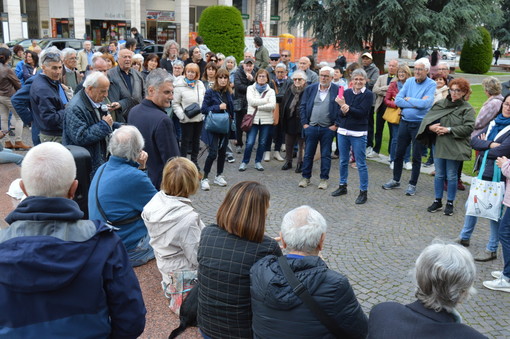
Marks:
<point>192,110</point>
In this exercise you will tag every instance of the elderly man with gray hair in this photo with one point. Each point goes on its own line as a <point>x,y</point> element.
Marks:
<point>278,312</point>
<point>74,272</point>
<point>87,122</point>
<point>415,99</point>
<point>156,127</point>
<point>119,191</point>
<point>71,77</point>
<point>445,274</point>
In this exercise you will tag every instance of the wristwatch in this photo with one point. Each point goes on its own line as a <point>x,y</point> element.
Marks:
<point>449,129</point>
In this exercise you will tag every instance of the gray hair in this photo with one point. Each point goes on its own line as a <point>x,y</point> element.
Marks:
<point>302,229</point>
<point>178,63</point>
<point>166,48</point>
<point>96,55</point>
<point>492,85</point>
<point>301,73</point>
<point>126,142</point>
<point>156,78</point>
<point>92,80</point>
<point>328,69</point>
<point>229,58</point>
<point>423,61</point>
<point>66,52</point>
<point>220,56</point>
<point>359,71</point>
<point>51,54</point>
<point>443,63</point>
<point>48,170</point>
<point>138,57</point>
<point>281,65</point>
<point>445,274</point>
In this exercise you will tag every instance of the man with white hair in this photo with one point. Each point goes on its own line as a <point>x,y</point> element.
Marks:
<point>304,65</point>
<point>156,127</point>
<point>127,86</point>
<point>119,191</point>
<point>319,113</point>
<point>278,311</point>
<point>85,56</point>
<point>63,276</point>
<point>443,69</point>
<point>71,77</point>
<point>415,99</point>
<point>87,122</point>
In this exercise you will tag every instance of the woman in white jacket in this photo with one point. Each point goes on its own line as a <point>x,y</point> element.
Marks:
<point>261,102</point>
<point>173,224</point>
<point>189,90</point>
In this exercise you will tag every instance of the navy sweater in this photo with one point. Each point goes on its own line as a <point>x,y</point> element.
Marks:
<point>360,106</point>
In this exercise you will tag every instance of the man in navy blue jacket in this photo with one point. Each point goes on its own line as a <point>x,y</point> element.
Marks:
<point>319,111</point>
<point>63,277</point>
<point>155,125</point>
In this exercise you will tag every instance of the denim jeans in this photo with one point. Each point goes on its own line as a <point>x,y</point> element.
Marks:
<point>7,156</point>
<point>407,131</point>
<point>445,169</point>
<point>504,239</point>
<point>217,149</point>
<point>359,145</point>
<point>264,132</point>
<point>142,253</point>
<point>393,144</point>
<point>313,136</point>
<point>469,226</point>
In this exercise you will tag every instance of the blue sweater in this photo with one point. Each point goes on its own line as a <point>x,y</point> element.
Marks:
<point>416,107</point>
<point>65,278</point>
<point>123,192</point>
<point>360,106</point>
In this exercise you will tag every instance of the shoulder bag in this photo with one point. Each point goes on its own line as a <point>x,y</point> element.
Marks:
<point>309,301</point>
<point>248,118</point>
<point>194,109</point>
<point>218,123</point>
<point>392,115</point>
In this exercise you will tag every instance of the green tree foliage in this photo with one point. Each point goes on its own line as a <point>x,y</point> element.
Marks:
<point>500,29</point>
<point>349,24</point>
<point>222,29</point>
<point>476,57</point>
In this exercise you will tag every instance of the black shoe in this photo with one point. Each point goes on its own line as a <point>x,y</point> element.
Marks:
<point>362,198</point>
<point>286,166</point>
<point>341,190</point>
<point>448,209</point>
<point>436,206</point>
<point>299,168</point>
<point>430,162</point>
<point>463,242</point>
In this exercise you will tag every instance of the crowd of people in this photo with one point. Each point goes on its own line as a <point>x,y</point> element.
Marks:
<point>140,120</point>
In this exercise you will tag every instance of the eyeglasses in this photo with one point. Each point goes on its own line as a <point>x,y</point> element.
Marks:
<point>506,104</point>
<point>222,77</point>
<point>443,69</point>
<point>285,55</point>
<point>325,76</point>
<point>419,69</point>
<point>298,79</point>
<point>220,59</point>
<point>214,60</point>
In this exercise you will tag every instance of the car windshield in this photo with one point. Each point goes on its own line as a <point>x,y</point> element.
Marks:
<point>43,43</point>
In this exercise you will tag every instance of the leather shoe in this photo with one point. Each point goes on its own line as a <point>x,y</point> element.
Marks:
<point>20,145</point>
<point>286,166</point>
<point>9,145</point>
<point>341,190</point>
<point>486,256</point>
<point>362,198</point>
<point>299,168</point>
<point>460,186</point>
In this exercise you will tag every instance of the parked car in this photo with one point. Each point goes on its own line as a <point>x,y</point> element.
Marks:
<point>25,43</point>
<point>62,43</point>
<point>155,49</point>
<point>447,54</point>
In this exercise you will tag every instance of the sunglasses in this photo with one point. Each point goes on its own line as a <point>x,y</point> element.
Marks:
<point>223,77</point>
<point>285,55</point>
<point>273,59</point>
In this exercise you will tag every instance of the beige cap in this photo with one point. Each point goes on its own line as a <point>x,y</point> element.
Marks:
<point>368,55</point>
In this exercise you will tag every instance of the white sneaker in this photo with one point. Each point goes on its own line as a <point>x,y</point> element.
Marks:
<point>220,181</point>
<point>497,274</point>
<point>323,184</point>
<point>369,152</point>
<point>278,156</point>
<point>392,165</point>
<point>267,156</point>
<point>204,184</point>
<point>408,166</point>
<point>500,284</point>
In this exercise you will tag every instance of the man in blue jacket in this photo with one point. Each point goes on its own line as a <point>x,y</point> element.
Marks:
<point>63,277</point>
<point>415,99</point>
<point>319,111</point>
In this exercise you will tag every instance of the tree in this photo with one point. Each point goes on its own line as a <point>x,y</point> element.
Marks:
<point>476,57</point>
<point>500,29</point>
<point>222,29</point>
<point>349,24</point>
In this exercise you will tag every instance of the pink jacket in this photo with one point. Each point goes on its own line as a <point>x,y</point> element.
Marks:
<point>487,113</point>
<point>505,170</point>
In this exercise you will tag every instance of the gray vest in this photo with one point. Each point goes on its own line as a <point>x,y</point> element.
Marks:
<point>320,112</point>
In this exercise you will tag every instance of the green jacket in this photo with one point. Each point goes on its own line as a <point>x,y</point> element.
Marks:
<point>460,117</point>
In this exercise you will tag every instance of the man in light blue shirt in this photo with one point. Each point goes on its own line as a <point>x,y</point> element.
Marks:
<point>415,99</point>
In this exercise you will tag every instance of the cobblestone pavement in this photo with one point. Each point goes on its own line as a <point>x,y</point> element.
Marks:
<point>374,244</point>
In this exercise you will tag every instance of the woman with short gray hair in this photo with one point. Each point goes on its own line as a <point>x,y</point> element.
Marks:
<point>491,107</point>
<point>444,274</point>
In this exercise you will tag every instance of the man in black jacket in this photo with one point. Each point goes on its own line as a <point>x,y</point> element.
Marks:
<point>278,312</point>
<point>156,127</point>
<point>243,78</point>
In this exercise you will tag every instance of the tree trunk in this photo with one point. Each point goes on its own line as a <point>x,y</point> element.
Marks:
<point>378,51</point>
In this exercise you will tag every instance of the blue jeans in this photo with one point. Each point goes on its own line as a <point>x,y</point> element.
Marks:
<point>264,138</point>
<point>393,144</point>
<point>7,156</point>
<point>142,253</point>
<point>313,136</point>
<point>504,239</point>
<point>359,145</point>
<point>407,131</point>
<point>469,226</point>
<point>445,169</point>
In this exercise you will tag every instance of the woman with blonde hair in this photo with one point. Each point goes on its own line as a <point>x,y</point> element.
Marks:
<point>173,224</point>
<point>226,253</point>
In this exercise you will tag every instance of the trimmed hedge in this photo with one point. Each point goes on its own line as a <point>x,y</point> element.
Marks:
<point>222,29</point>
<point>476,57</point>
